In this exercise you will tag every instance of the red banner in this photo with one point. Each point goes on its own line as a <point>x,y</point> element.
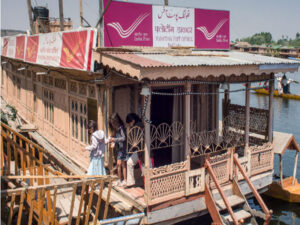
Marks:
<point>20,47</point>
<point>73,50</point>
<point>32,49</point>
<point>69,49</point>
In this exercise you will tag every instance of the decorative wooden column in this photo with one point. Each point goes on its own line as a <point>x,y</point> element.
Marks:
<point>270,119</point>
<point>187,123</point>
<point>147,148</point>
<point>107,112</point>
<point>247,114</point>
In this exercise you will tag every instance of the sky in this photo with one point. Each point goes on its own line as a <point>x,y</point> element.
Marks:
<point>247,17</point>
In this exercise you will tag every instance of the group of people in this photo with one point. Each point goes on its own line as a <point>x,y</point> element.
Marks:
<point>117,140</point>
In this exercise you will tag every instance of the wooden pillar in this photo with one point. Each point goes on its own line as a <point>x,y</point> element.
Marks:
<point>225,104</point>
<point>107,113</point>
<point>280,167</point>
<point>61,15</point>
<point>295,167</point>
<point>147,149</point>
<point>166,2</point>
<point>30,16</point>
<point>187,123</point>
<point>270,119</point>
<point>81,14</point>
<point>247,114</point>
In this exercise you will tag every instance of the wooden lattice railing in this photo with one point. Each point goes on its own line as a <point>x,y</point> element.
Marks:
<point>261,158</point>
<point>42,202</point>
<point>22,165</point>
<point>167,182</point>
<point>258,118</point>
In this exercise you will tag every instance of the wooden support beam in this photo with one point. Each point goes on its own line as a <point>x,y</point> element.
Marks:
<point>61,15</point>
<point>187,123</point>
<point>99,202</point>
<point>295,167</point>
<point>247,114</point>
<point>147,149</point>
<point>271,102</point>
<point>21,207</point>
<point>12,203</point>
<point>107,200</point>
<point>72,204</point>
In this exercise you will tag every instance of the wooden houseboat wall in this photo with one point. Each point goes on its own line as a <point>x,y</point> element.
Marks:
<point>185,137</point>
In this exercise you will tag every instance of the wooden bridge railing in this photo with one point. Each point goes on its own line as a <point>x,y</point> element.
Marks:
<point>42,200</point>
<point>23,160</point>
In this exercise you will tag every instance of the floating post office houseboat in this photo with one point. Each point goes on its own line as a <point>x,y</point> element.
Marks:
<point>195,161</point>
<point>200,163</point>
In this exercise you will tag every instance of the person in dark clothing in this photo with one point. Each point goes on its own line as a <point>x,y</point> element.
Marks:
<point>133,120</point>
<point>117,127</point>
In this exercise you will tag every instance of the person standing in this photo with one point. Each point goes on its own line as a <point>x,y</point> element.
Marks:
<point>133,120</point>
<point>117,127</point>
<point>96,149</point>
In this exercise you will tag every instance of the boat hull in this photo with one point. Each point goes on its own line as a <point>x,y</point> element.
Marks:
<point>287,192</point>
<point>276,94</point>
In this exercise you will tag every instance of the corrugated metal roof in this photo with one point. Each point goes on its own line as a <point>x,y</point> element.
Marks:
<point>199,58</point>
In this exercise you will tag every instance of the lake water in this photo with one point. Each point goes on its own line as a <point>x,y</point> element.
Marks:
<point>286,119</point>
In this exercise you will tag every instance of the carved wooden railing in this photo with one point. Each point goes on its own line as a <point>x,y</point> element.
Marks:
<point>261,158</point>
<point>161,136</point>
<point>167,182</point>
<point>221,166</point>
<point>258,118</point>
<point>164,135</point>
<point>262,204</point>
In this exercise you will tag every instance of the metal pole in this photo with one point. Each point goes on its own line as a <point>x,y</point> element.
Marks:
<point>81,15</point>
<point>166,2</point>
<point>30,16</point>
<point>61,14</point>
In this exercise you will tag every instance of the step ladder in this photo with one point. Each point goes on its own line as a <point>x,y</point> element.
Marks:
<point>230,206</point>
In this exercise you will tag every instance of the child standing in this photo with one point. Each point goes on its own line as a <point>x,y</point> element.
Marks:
<point>97,149</point>
<point>117,126</point>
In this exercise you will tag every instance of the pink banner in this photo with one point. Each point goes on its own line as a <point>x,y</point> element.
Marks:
<point>128,24</point>
<point>212,29</point>
<point>69,49</point>
<point>131,24</point>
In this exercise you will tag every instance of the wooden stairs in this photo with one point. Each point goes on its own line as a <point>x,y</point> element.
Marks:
<point>229,206</point>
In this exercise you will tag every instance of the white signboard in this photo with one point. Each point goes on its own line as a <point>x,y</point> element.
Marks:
<point>173,26</point>
<point>49,51</point>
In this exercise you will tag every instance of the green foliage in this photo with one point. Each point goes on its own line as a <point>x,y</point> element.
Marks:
<point>259,38</point>
<point>265,38</point>
<point>13,112</point>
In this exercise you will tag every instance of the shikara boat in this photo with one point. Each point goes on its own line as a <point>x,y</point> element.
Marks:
<point>287,189</point>
<point>276,94</point>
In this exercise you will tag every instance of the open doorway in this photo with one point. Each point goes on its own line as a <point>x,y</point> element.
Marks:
<point>162,112</point>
